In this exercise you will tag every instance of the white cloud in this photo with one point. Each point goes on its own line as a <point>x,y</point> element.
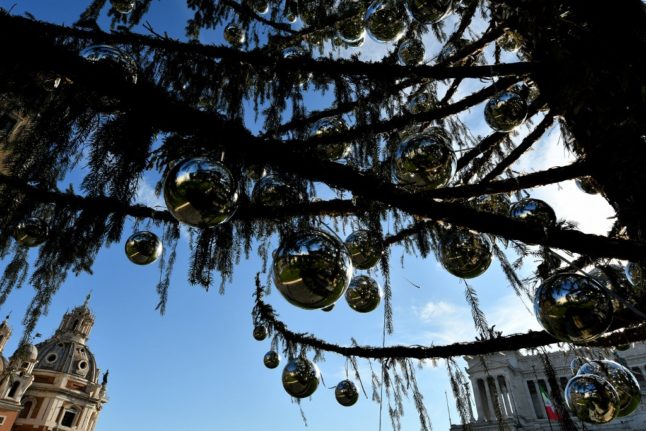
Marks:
<point>146,196</point>
<point>433,310</point>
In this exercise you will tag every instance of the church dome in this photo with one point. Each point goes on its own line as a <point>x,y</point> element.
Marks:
<point>67,356</point>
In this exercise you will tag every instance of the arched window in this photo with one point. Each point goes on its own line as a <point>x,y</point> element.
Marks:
<point>69,417</point>
<point>75,325</point>
<point>26,409</point>
<point>14,389</point>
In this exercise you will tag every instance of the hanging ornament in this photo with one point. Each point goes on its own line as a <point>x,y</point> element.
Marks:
<point>314,12</point>
<point>259,332</point>
<point>271,359</point>
<point>143,248</point>
<point>465,254</point>
<point>505,111</point>
<point>346,393</point>
<point>31,232</point>
<point>123,6</point>
<point>327,127</point>
<point>312,269</point>
<point>351,30</point>
<point>294,52</point>
<point>452,47</point>
<point>260,7</point>
<point>272,191</point>
<point>386,20</point>
<point>255,172</point>
<point>592,399</point>
<point>200,192</point>
<point>533,211</point>
<point>365,248</point>
<point>429,12</point>
<point>572,308</point>
<point>301,377</point>
<point>234,35</point>
<point>510,41</point>
<point>612,277</point>
<point>424,161</point>
<point>621,378</point>
<point>494,204</point>
<point>363,294</point>
<point>587,185</point>
<point>420,102</point>
<point>114,58</point>
<point>328,308</point>
<point>577,363</point>
<point>635,273</point>
<point>411,52</point>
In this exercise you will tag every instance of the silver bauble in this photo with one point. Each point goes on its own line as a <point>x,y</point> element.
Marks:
<point>533,211</point>
<point>143,248</point>
<point>31,232</point>
<point>453,47</point>
<point>271,359</point>
<point>346,393</point>
<point>300,377</point>
<point>411,52</point>
<point>577,363</point>
<point>112,57</point>
<point>312,269</point>
<point>572,308</point>
<point>621,378</point>
<point>234,35</point>
<point>255,172</point>
<point>587,185</point>
<point>505,111</point>
<point>200,192</point>
<point>494,204</point>
<point>259,332</point>
<point>352,29</point>
<point>328,308</point>
<point>365,248</point>
<point>429,12</point>
<point>424,161</point>
<point>123,6</point>
<point>327,127</point>
<point>465,254</point>
<point>260,7</point>
<point>314,12</point>
<point>294,52</point>
<point>386,20</point>
<point>592,399</point>
<point>510,41</point>
<point>363,294</point>
<point>420,102</point>
<point>617,283</point>
<point>272,191</point>
<point>635,273</point>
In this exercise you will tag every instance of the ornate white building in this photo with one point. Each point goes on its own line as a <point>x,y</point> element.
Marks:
<point>517,380</point>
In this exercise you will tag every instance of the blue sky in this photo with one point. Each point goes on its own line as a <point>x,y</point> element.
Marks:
<point>198,367</point>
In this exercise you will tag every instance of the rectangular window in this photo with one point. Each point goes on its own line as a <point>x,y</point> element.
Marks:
<point>537,403</point>
<point>68,418</point>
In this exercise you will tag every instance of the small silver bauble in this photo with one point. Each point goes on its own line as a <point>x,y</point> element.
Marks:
<point>617,283</point>
<point>272,191</point>
<point>327,127</point>
<point>621,378</point>
<point>261,7</point>
<point>31,232</point>
<point>505,111</point>
<point>300,377</point>
<point>465,254</point>
<point>271,359</point>
<point>386,20</point>
<point>577,363</point>
<point>533,211</point>
<point>363,294</point>
<point>411,52</point>
<point>587,185</point>
<point>312,269</point>
<point>452,47</point>
<point>572,308</point>
<point>494,204</point>
<point>259,332</point>
<point>112,57</point>
<point>510,41</point>
<point>424,161</point>
<point>365,248</point>
<point>635,273</point>
<point>294,52</point>
<point>143,248</point>
<point>429,12</point>
<point>234,35</point>
<point>351,30</point>
<point>123,6</point>
<point>421,102</point>
<point>346,393</point>
<point>200,192</point>
<point>255,172</point>
<point>592,399</point>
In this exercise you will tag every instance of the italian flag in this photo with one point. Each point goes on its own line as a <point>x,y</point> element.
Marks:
<point>552,414</point>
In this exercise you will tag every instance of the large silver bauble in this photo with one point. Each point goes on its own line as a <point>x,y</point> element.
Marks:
<point>424,161</point>
<point>363,294</point>
<point>271,359</point>
<point>312,269</point>
<point>143,248</point>
<point>587,185</point>
<point>259,332</point>
<point>346,393</point>
<point>200,192</point>
<point>123,6</point>
<point>494,204</point>
<point>234,35</point>
<point>327,127</point>
<point>621,378</point>
<point>351,30</point>
<point>572,308</point>
<point>510,41</point>
<point>617,283</point>
<point>465,254</point>
<point>300,377</point>
<point>365,248</point>
<point>112,57</point>
<point>592,399</point>
<point>533,211</point>
<point>505,111</point>
<point>386,20</point>
<point>429,12</point>
<point>31,232</point>
<point>272,191</point>
<point>411,52</point>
